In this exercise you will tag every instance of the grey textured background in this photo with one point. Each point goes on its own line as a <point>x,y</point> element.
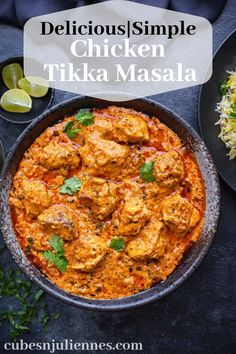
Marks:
<point>200,316</point>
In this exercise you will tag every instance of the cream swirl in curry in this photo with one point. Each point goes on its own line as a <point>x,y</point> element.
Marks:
<point>106,202</point>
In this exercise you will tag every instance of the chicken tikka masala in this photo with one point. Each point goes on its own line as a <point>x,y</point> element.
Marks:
<point>106,202</point>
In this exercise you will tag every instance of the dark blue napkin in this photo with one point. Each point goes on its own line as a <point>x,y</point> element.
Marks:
<point>17,12</point>
<point>210,9</point>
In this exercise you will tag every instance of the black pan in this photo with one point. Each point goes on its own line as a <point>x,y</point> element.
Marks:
<point>209,95</point>
<point>2,156</point>
<point>192,259</point>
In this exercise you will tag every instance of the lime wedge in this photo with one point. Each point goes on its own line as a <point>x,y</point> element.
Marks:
<point>16,100</point>
<point>34,86</point>
<point>11,74</point>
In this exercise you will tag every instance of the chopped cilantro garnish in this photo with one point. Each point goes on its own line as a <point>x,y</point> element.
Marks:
<point>38,294</point>
<point>70,130</point>
<point>146,170</point>
<point>117,243</point>
<point>27,302</point>
<point>56,315</point>
<point>84,117</point>
<point>223,87</point>
<point>71,186</point>
<point>57,257</point>
<point>232,114</point>
<point>46,317</point>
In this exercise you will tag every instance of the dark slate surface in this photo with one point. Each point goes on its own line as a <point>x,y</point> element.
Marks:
<point>200,316</point>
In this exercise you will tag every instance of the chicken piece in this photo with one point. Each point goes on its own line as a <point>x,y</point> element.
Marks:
<point>89,251</point>
<point>129,125</point>
<point>35,197</point>
<point>168,169</point>
<point>194,182</point>
<point>61,220</point>
<point>103,158</point>
<point>134,216</point>
<point>99,195</point>
<point>56,155</point>
<point>179,214</point>
<point>169,172</point>
<point>103,126</point>
<point>120,125</point>
<point>163,138</point>
<point>131,129</point>
<point>149,243</point>
<point>156,192</point>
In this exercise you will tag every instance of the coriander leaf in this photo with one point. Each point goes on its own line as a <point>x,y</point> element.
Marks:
<point>50,256</point>
<point>61,263</point>
<point>223,87</point>
<point>56,316</point>
<point>233,106</point>
<point>85,117</point>
<point>71,133</point>
<point>232,114</point>
<point>22,328</point>
<point>68,126</point>
<point>71,186</point>
<point>38,295</point>
<point>146,170</point>
<point>117,243</point>
<point>56,243</point>
<point>46,317</point>
<point>57,258</point>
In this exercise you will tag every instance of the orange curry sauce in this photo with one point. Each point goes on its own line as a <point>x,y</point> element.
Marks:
<point>157,221</point>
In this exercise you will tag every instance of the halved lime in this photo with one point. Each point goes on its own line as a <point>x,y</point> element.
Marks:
<point>34,86</point>
<point>11,74</point>
<point>16,100</point>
